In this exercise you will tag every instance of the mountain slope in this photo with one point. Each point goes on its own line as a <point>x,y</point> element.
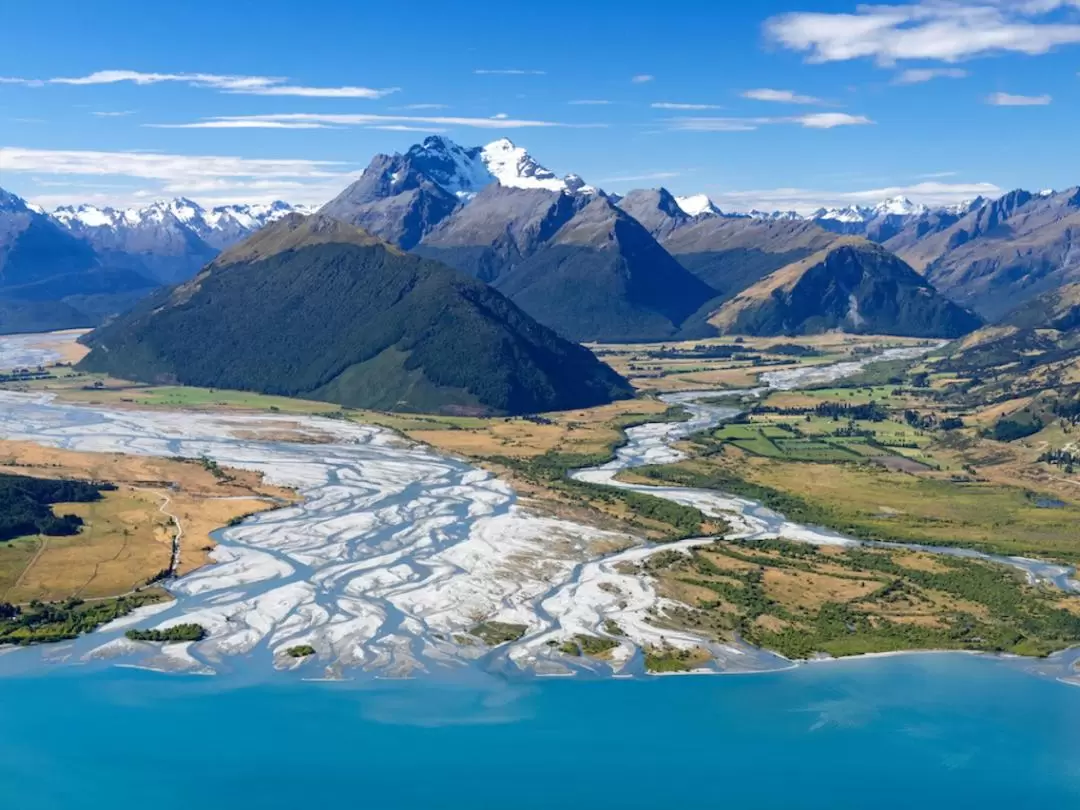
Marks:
<point>659,212</point>
<point>312,307</point>
<point>393,200</point>
<point>1032,352</point>
<point>1005,252</point>
<point>854,285</point>
<point>732,253</point>
<point>499,228</point>
<point>50,279</point>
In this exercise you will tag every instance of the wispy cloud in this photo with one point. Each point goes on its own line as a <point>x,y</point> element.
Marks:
<point>635,178</point>
<point>318,92</point>
<point>812,121</point>
<point>937,175</point>
<point>920,75</point>
<point>423,107</point>
<point>947,31</point>
<point>675,105</point>
<point>405,128</point>
<point>253,124</point>
<point>596,102</point>
<point>113,113</point>
<point>780,96</point>
<point>1010,100</point>
<point>316,120</point>
<point>642,78</point>
<point>235,178</point>
<point>247,85</point>
<point>806,201</point>
<point>509,72</point>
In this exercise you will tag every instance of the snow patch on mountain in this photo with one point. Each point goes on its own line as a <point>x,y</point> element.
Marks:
<point>512,166</point>
<point>697,204</point>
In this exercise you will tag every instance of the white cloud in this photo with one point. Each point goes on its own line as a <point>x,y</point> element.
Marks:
<point>920,75</point>
<point>942,30</point>
<point>782,96</point>
<point>674,105</point>
<point>831,120</point>
<point>589,102</point>
<point>510,72</point>
<point>310,120</point>
<point>642,78</point>
<point>113,113</point>
<point>247,85</point>
<point>318,92</point>
<point>806,201</point>
<point>1010,100</point>
<point>500,116</point>
<point>812,121</point>
<point>423,107</point>
<point>239,179</point>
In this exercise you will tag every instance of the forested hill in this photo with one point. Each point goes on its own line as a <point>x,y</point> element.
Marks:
<point>315,308</point>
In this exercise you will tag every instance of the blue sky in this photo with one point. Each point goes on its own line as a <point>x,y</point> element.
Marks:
<point>791,103</point>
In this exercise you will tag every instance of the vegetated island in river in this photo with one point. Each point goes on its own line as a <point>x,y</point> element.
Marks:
<point>176,633</point>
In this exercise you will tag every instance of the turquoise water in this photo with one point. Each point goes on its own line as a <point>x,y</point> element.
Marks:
<point>926,731</point>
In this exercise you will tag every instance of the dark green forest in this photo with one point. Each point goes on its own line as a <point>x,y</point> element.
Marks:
<point>26,505</point>
<point>361,325</point>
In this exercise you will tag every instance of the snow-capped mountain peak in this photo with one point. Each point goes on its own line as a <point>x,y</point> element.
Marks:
<point>89,216</point>
<point>697,204</point>
<point>457,169</point>
<point>219,226</point>
<point>464,171</point>
<point>849,215</point>
<point>780,216</point>
<point>513,167</point>
<point>899,206</point>
<point>14,204</point>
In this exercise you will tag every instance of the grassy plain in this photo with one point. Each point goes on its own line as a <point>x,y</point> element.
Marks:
<point>127,537</point>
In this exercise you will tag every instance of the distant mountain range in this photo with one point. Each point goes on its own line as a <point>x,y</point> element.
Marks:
<point>313,307</point>
<point>80,264</point>
<point>591,265</point>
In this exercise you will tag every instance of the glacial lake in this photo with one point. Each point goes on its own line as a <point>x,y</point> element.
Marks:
<point>927,731</point>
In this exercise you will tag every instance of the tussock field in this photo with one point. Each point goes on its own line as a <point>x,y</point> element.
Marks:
<point>127,537</point>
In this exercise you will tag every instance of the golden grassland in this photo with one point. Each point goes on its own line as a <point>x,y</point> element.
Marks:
<point>685,371</point>
<point>127,537</point>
